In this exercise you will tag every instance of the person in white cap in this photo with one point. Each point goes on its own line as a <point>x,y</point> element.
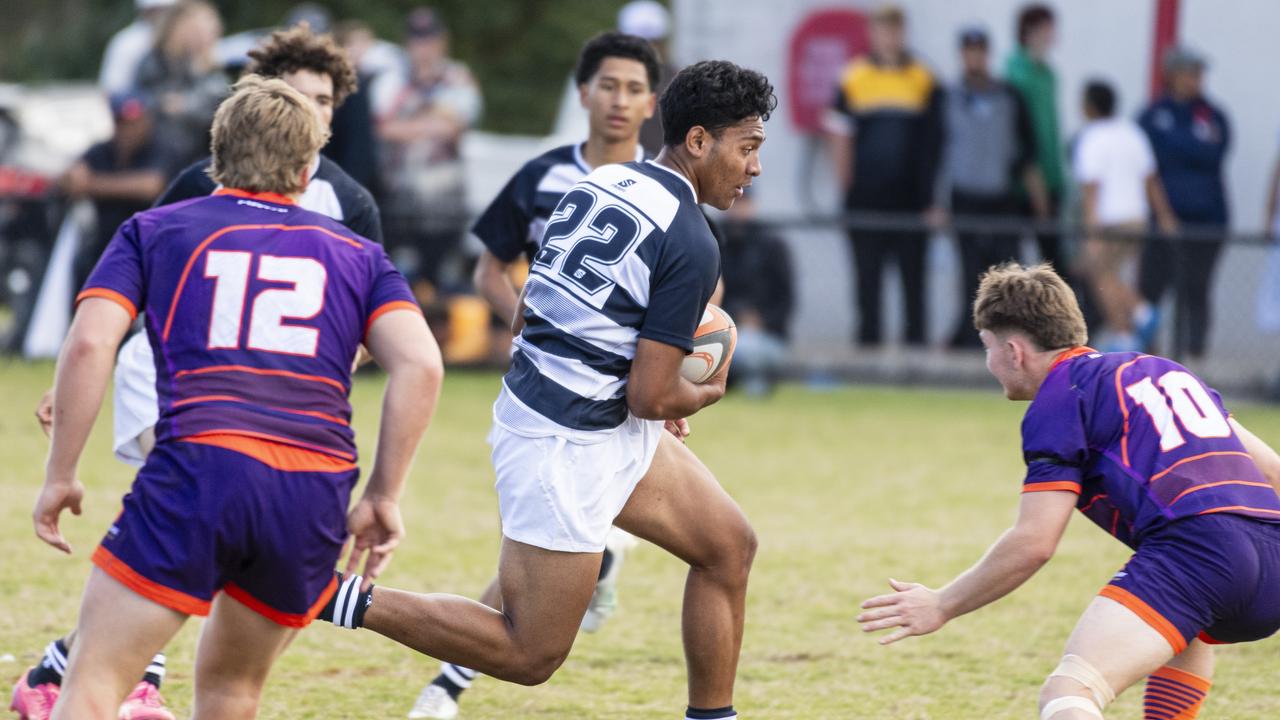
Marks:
<point>650,20</point>
<point>126,48</point>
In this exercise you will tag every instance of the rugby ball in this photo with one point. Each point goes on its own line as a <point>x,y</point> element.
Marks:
<point>713,343</point>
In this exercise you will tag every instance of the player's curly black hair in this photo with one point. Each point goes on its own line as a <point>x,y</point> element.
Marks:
<point>714,94</point>
<point>619,45</point>
<point>297,49</point>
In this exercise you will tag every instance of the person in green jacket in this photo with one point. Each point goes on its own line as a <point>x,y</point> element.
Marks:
<point>1028,71</point>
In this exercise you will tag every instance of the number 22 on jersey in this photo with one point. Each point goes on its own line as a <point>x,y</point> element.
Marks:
<point>270,308</point>
<point>1180,395</point>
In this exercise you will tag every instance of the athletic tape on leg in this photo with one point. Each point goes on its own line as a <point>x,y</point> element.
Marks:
<point>1071,702</point>
<point>1083,672</point>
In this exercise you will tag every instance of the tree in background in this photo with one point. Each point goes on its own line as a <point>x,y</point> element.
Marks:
<point>520,50</point>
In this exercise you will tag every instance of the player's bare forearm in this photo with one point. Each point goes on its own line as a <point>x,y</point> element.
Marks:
<point>494,284</point>
<point>656,390</point>
<point>1015,557</point>
<point>1266,458</point>
<point>408,352</point>
<point>81,378</point>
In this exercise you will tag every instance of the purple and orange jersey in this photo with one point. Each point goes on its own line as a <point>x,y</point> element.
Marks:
<point>1144,443</point>
<point>255,309</point>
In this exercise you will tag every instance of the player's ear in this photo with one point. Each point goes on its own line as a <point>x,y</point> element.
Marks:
<point>652,106</point>
<point>697,141</point>
<point>583,89</point>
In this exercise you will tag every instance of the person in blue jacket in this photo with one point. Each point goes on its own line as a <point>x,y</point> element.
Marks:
<point>1190,136</point>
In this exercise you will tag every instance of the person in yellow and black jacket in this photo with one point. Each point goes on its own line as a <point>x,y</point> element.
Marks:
<point>885,132</point>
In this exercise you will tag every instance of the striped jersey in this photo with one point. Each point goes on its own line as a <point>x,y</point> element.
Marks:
<point>255,308</point>
<point>627,254</point>
<point>1142,441</point>
<point>514,221</point>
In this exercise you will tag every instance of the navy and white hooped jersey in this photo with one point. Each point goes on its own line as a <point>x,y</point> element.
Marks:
<point>514,221</point>
<point>626,255</point>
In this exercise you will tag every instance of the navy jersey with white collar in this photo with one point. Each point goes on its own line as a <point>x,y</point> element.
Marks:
<point>514,221</point>
<point>627,254</point>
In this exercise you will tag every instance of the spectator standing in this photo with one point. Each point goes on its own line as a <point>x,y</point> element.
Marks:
<point>127,48</point>
<point>121,176</point>
<point>758,294</point>
<point>886,137</point>
<point>990,148</point>
<point>352,144</point>
<point>421,134</point>
<point>1028,70</point>
<point>183,76</point>
<point>1116,170</point>
<point>650,20</point>
<point>1190,136</point>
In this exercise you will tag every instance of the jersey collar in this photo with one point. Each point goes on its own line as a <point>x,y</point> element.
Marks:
<point>581,160</point>
<point>270,197</point>
<point>1072,353</point>
<point>680,175</point>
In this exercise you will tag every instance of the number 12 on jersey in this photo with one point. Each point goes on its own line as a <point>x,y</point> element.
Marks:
<point>230,270</point>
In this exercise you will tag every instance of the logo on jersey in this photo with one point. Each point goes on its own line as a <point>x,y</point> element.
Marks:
<point>261,206</point>
<point>624,184</point>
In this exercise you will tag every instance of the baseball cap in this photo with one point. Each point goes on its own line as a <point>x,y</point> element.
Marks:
<point>129,105</point>
<point>1181,57</point>
<point>974,35</point>
<point>423,22</point>
<point>648,19</point>
<point>153,4</point>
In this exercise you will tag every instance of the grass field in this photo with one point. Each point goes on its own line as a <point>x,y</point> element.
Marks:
<point>844,487</point>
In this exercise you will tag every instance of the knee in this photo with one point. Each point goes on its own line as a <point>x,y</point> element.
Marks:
<point>533,668</point>
<point>734,552</point>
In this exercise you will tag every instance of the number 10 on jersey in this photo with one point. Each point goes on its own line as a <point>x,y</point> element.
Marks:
<point>270,307</point>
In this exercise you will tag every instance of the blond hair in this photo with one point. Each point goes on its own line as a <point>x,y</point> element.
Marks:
<point>264,137</point>
<point>1033,300</point>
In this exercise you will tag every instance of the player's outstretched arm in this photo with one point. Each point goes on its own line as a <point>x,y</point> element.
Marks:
<point>917,610</point>
<point>656,390</point>
<point>1267,460</point>
<point>80,381</point>
<point>407,351</point>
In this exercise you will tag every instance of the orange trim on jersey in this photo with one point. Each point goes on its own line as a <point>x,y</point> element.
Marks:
<point>111,295</point>
<point>1050,485</point>
<point>243,401</point>
<point>1210,511</point>
<point>1124,409</point>
<point>275,453</point>
<point>270,197</point>
<point>1074,352</point>
<point>1148,615</point>
<point>261,371</point>
<point>385,308</point>
<point>191,261</point>
<point>293,620</point>
<point>1204,637</point>
<point>1169,469</point>
<point>1205,486</point>
<point>1183,677</point>
<point>149,589</point>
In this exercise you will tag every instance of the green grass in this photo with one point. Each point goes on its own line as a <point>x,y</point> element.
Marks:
<point>845,488</point>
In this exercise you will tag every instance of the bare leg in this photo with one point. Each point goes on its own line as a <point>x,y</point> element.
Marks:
<point>237,648</point>
<point>118,634</point>
<point>544,595</point>
<point>680,507</point>
<point>1121,646</point>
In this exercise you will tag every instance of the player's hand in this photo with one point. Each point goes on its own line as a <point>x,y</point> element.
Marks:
<point>376,529</point>
<point>56,496</point>
<point>679,428</point>
<point>913,608</point>
<point>44,412</point>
